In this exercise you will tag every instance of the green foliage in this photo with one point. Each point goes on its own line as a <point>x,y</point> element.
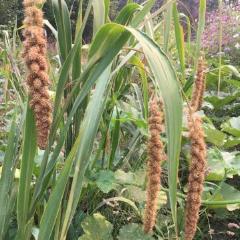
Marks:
<point>96,227</point>
<point>133,231</point>
<point>105,181</point>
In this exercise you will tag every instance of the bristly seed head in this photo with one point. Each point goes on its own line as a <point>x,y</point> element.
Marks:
<point>38,81</point>
<point>155,156</point>
<point>196,175</point>
<point>199,86</point>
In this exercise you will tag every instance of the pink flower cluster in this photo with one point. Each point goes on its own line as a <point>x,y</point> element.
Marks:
<point>229,17</point>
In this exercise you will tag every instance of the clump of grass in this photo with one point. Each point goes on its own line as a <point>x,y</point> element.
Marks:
<point>37,80</point>
<point>155,157</point>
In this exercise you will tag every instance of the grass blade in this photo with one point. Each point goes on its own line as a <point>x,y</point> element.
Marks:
<point>167,26</point>
<point>98,15</point>
<point>126,14</point>
<point>179,35</point>
<point>62,17</point>
<point>29,151</point>
<point>201,25</point>
<point>138,18</point>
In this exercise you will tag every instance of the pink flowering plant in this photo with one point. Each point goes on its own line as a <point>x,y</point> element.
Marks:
<point>229,17</point>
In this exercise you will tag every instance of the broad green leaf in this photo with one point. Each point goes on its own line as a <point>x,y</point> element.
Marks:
<point>106,181</point>
<point>222,164</point>
<point>124,177</point>
<point>227,197</point>
<point>215,166</point>
<point>137,194</point>
<point>231,142</point>
<point>232,163</point>
<point>231,69</point>
<point>219,102</point>
<point>133,231</point>
<point>214,136</point>
<point>96,227</point>
<point>232,126</point>
<point>235,83</point>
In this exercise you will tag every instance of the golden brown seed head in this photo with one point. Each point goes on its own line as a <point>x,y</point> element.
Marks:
<point>38,81</point>
<point>155,156</point>
<point>196,175</point>
<point>199,86</point>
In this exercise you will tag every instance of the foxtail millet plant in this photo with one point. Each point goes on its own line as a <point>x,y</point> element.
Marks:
<point>199,86</point>
<point>35,58</point>
<point>155,156</point>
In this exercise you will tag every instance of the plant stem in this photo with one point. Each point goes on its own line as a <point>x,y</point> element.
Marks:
<point>220,46</point>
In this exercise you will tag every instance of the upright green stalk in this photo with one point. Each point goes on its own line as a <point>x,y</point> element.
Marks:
<point>167,25</point>
<point>29,151</point>
<point>201,25</point>
<point>220,46</point>
<point>76,68</point>
<point>179,35</point>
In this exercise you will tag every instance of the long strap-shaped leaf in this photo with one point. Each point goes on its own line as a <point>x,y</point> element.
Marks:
<point>99,15</point>
<point>167,26</point>
<point>179,36</point>
<point>62,17</point>
<point>29,151</point>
